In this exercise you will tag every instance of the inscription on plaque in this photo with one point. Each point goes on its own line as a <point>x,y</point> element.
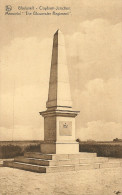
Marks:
<point>65,128</point>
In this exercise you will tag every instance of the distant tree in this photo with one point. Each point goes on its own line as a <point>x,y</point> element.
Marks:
<point>117,140</point>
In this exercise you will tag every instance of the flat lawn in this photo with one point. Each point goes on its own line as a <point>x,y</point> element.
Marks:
<point>85,182</point>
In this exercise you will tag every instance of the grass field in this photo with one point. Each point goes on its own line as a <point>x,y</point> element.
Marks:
<point>17,148</point>
<point>105,149</point>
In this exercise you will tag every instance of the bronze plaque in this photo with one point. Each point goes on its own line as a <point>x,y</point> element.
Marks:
<point>65,128</point>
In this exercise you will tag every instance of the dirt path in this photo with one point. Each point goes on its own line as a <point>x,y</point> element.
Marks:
<point>85,182</point>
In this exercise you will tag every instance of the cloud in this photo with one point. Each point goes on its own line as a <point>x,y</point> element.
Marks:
<point>95,50</point>
<point>100,131</point>
<point>93,34</point>
<point>100,100</point>
<point>95,56</point>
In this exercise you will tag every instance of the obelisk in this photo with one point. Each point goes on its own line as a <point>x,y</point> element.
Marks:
<point>59,118</point>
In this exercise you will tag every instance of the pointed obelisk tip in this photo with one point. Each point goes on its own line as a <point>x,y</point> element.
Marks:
<point>58,31</point>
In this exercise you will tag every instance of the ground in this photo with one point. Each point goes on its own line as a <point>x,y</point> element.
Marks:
<point>85,182</point>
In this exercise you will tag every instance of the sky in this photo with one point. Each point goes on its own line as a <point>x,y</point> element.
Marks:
<point>93,36</point>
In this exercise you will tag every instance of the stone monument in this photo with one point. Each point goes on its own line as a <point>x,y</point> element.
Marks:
<point>59,118</point>
<point>59,152</point>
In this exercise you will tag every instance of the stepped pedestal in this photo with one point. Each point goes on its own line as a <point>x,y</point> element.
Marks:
<point>46,163</point>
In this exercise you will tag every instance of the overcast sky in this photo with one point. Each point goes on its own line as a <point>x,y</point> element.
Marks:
<point>93,36</point>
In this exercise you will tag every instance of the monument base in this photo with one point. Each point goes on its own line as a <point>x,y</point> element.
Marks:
<point>60,148</point>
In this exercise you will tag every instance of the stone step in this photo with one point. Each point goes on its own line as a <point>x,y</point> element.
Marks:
<point>93,160</point>
<point>110,165</point>
<point>38,155</point>
<point>82,155</point>
<point>36,161</point>
<point>78,167</point>
<point>59,156</point>
<point>2,160</point>
<point>75,167</point>
<point>98,165</point>
<point>81,160</point>
<point>64,162</point>
<point>47,169</point>
<point>44,162</point>
<point>61,168</point>
<point>25,166</point>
